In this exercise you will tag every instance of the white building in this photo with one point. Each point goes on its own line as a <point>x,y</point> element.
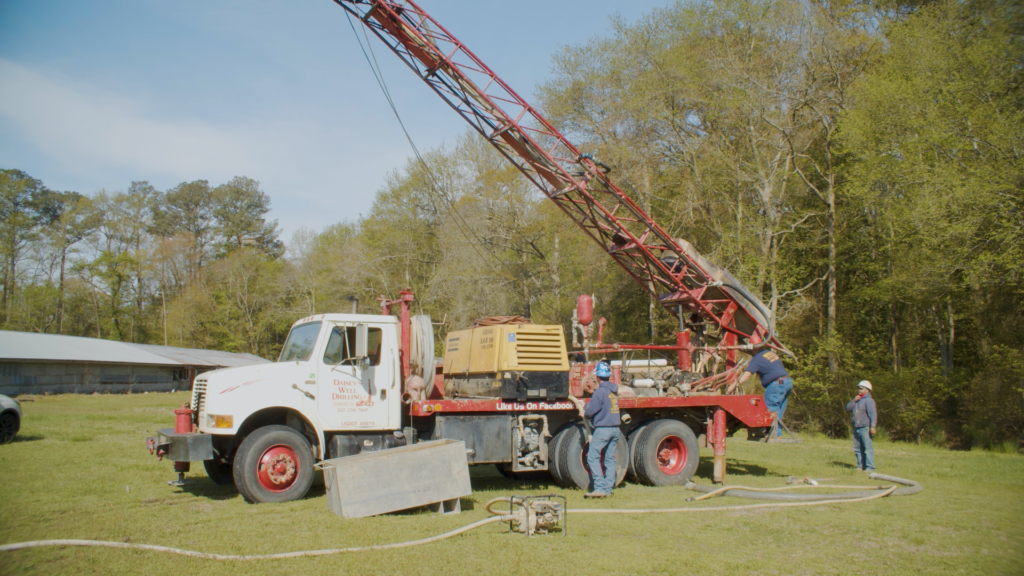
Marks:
<point>32,363</point>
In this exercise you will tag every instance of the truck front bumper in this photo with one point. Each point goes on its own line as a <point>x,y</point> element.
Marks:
<point>187,447</point>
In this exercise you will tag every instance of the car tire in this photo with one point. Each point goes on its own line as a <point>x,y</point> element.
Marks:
<point>666,453</point>
<point>572,458</point>
<point>273,464</point>
<point>9,425</point>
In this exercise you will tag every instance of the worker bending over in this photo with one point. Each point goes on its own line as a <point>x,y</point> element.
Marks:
<point>603,411</point>
<point>775,379</point>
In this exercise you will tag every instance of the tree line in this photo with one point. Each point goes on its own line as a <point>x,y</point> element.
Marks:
<point>857,165</point>
<point>107,265</point>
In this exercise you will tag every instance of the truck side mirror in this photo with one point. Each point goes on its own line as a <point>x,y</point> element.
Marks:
<point>362,337</point>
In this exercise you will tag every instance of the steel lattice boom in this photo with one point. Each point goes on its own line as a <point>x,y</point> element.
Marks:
<point>670,270</point>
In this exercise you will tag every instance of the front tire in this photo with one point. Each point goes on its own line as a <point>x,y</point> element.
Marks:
<point>273,464</point>
<point>666,453</point>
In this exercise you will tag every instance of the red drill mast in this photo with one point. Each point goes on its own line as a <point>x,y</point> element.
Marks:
<point>680,278</point>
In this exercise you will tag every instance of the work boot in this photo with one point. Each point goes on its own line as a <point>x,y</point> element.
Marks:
<point>595,494</point>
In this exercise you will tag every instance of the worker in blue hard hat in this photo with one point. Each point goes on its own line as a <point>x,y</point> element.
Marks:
<point>603,411</point>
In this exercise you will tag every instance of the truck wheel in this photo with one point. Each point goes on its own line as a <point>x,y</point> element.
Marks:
<point>219,471</point>
<point>555,458</point>
<point>634,435</point>
<point>666,453</point>
<point>273,464</point>
<point>573,458</point>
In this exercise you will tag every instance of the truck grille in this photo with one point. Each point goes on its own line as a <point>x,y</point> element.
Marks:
<point>199,399</point>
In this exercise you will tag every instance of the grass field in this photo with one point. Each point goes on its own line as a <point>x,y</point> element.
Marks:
<point>79,469</point>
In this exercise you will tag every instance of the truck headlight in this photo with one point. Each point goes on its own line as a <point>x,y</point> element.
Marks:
<point>219,421</point>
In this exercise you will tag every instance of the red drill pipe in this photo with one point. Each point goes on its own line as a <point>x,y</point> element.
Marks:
<point>718,427</point>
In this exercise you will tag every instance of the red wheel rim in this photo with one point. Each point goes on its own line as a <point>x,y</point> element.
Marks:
<point>278,468</point>
<point>671,455</point>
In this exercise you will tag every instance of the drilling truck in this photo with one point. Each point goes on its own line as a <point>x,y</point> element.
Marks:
<point>511,390</point>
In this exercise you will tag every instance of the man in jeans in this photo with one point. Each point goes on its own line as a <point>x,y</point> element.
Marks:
<point>774,377</point>
<point>864,419</point>
<point>603,410</point>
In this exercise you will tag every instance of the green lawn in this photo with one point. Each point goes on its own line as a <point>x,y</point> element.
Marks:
<point>79,469</point>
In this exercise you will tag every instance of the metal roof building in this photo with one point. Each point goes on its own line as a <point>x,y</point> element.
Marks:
<point>32,363</point>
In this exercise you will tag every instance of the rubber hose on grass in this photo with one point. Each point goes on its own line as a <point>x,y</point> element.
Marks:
<point>772,495</point>
<point>504,516</point>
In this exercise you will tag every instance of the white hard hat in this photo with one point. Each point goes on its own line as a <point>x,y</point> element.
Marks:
<point>864,384</point>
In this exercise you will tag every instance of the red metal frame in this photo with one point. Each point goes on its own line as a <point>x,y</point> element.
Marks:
<point>749,410</point>
<point>404,300</point>
<point>577,183</point>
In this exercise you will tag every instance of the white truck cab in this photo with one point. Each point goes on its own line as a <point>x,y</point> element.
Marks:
<point>319,375</point>
<point>335,390</point>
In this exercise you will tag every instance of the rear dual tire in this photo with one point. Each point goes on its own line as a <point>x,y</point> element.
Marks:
<point>663,453</point>
<point>568,453</point>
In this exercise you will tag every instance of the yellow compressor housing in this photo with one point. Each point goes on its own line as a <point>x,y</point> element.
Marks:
<point>511,361</point>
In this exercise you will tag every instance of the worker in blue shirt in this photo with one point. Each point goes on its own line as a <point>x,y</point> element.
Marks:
<point>603,411</point>
<point>864,418</point>
<point>775,379</point>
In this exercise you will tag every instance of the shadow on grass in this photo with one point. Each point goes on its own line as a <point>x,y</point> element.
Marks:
<point>706,468</point>
<point>205,488</point>
<point>839,464</point>
<point>488,478</point>
<point>466,504</point>
<point>28,438</point>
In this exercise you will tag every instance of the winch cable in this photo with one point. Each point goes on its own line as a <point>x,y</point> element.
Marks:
<point>871,493</point>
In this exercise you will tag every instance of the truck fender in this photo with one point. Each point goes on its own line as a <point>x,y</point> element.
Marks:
<point>283,416</point>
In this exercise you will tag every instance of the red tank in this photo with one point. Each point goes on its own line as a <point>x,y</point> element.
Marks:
<point>182,425</point>
<point>585,309</point>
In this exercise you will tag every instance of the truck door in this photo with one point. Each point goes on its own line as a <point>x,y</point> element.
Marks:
<point>353,394</point>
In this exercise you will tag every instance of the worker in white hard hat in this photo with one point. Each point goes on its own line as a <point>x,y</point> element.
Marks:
<point>864,418</point>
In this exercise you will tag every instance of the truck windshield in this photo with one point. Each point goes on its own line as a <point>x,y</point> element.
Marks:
<point>300,342</point>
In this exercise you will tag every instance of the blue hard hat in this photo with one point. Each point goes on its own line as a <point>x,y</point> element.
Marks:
<point>602,370</point>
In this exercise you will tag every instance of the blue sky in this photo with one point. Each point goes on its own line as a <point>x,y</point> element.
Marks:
<point>96,94</point>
